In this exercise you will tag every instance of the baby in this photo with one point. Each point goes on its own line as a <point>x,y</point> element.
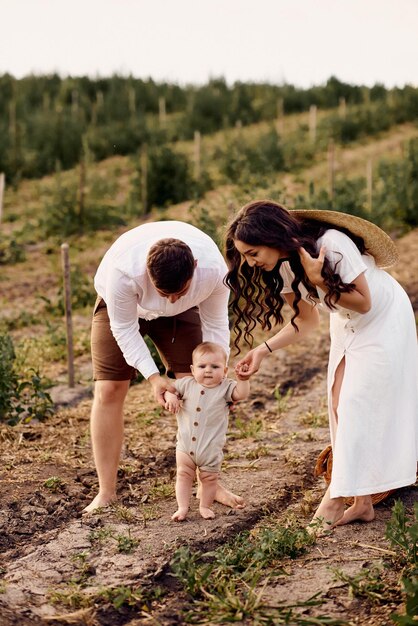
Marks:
<point>202,419</point>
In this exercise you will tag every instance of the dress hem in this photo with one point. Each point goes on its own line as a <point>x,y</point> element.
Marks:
<point>367,491</point>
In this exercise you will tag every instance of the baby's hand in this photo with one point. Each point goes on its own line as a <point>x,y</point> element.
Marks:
<point>241,371</point>
<point>172,403</point>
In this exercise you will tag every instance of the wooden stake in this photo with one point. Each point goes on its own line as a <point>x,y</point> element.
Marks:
<point>162,111</point>
<point>312,122</point>
<point>2,188</point>
<point>369,179</point>
<point>68,313</point>
<point>331,168</point>
<point>280,116</point>
<point>197,146</point>
<point>144,179</point>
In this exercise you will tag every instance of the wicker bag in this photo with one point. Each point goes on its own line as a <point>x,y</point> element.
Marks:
<point>323,467</point>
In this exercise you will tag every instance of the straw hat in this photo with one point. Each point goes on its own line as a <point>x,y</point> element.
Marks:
<point>377,242</point>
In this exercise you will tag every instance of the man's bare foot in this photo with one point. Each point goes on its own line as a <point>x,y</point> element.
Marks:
<point>227,498</point>
<point>206,513</point>
<point>362,510</point>
<point>179,515</point>
<point>99,502</point>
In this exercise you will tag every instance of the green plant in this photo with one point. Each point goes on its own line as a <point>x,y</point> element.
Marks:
<point>20,399</point>
<point>282,400</point>
<point>126,543</point>
<point>54,483</point>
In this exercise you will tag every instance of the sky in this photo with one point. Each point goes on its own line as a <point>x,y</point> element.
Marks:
<point>301,42</point>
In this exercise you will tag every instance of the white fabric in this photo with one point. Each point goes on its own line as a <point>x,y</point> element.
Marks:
<point>375,445</point>
<point>122,281</point>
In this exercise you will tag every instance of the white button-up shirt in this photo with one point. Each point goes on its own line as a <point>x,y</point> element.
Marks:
<point>122,281</point>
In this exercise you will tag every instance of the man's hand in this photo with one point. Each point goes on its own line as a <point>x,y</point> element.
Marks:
<point>159,386</point>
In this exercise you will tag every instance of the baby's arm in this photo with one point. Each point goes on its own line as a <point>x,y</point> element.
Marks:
<point>172,402</point>
<point>241,391</point>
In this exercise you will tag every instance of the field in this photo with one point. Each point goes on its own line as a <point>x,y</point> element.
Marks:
<point>130,564</point>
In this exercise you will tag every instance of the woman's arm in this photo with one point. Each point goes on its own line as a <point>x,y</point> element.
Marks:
<point>358,300</point>
<point>307,321</point>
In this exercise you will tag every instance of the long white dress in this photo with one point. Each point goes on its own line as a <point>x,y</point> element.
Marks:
<point>375,443</point>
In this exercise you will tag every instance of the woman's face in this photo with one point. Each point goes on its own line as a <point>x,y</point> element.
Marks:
<point>260,256</point>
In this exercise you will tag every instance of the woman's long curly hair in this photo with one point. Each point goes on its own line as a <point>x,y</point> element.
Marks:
<point>256,293</point>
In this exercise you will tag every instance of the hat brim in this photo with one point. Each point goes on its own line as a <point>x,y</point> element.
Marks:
<point>377,242</point>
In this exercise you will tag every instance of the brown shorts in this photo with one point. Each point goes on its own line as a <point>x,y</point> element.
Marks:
<point>174,337</point>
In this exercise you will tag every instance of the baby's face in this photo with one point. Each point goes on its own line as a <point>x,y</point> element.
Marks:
<point>209,369</point>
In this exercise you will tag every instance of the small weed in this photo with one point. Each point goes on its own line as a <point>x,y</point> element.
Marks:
<point>315,420</point>
<point>54,483</point>
<point>259,451</point>
<point>367,584</point>
<point>131,596</point>
<point>126,544</point>
<point>250,429</point>
<point>162,490</point>
<point>100,535</point>
<point>282,400</point>
<point>123,513</point>
<point>85,569</point>
<point>72,597</point>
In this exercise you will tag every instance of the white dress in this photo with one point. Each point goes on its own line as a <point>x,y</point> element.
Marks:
<point>375,446</point>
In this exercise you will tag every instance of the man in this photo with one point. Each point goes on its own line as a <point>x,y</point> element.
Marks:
<point>164,280</point>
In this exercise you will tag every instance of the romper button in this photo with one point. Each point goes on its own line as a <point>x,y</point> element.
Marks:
<point>348,315</point>
<point>198,409</point>
<point>202,392</point>
<point>191,453</point>
<point>352,330</point>
<point>195,423</point>
<point>193,438</point>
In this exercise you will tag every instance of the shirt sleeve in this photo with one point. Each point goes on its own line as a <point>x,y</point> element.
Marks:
<point>344,256</point>
<point>231,384</point>
<point>121,301</point>
<point>214,316</point>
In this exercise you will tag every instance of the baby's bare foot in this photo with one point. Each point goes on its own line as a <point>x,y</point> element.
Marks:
<point>179,515</point>
<point>206,513</point>
<point>99,502</point>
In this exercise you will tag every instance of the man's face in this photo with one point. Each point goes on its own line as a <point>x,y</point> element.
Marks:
<point>173,297</point>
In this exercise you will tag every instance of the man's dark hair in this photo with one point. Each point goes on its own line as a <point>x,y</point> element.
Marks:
<point>170,264</point>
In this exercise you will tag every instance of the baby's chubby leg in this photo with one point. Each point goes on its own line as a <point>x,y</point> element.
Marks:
<point>209,485</point>
<point>186,471</point>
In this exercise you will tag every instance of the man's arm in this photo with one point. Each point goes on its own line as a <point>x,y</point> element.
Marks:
<point>214,316</point>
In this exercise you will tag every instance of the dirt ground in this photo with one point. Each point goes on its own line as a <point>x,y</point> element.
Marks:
<point>49,548</point>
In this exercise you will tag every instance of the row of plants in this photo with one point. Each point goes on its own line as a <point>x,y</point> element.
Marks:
<point>46,119</point>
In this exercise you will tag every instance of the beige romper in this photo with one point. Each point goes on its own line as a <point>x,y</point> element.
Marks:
<point>203,421</point>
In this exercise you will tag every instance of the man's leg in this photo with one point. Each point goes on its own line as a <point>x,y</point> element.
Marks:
<point>107,436</point>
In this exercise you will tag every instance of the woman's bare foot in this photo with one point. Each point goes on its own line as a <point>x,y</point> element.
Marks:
<point>180,515</point>
<point>327,515</point>
<point>99,502</point>
<point>206,513</point>
<point>362,510</point>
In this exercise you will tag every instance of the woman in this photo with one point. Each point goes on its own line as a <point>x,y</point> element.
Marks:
<point>307,258</point>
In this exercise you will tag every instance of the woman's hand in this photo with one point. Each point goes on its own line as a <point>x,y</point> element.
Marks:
<point>250,364</point>
<point>312,266</point>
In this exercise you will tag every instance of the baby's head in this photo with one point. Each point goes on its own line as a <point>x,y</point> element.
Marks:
<point>209,364</point>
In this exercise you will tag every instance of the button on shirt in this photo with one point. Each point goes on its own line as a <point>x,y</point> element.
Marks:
<point>122,281</point>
